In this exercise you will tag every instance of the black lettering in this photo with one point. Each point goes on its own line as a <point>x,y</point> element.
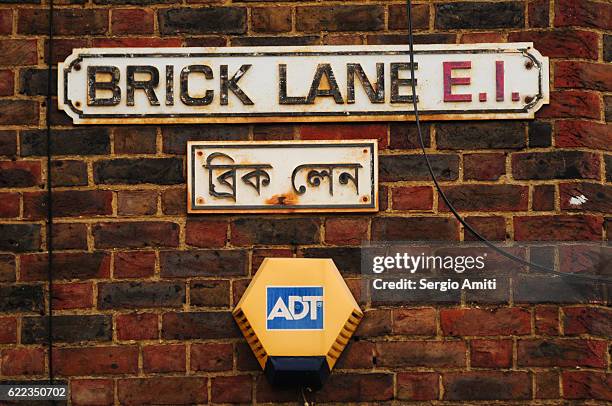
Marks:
<point>232,85</point>
<point>396,82</point>
<point>146,85</point>
<point>282,88</point>
<point>324,69</point>
<point>195,101</point>
<point>169,85</point>
<point>112,85</point>
<point>375,96</point>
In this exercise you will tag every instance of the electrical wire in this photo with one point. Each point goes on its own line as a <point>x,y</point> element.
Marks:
<point>443,195</point>
<point>50,194</point>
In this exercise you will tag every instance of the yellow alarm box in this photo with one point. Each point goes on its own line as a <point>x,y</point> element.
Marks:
<point>297,315</point>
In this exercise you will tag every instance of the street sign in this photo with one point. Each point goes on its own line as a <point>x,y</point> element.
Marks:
<point>314,83</point>
<point>282,176</point>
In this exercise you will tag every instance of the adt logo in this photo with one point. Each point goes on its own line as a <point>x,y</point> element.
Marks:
<point>294,308</point>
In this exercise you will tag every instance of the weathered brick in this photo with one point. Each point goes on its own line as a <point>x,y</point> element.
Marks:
<point>68,265</point>
<point>485,322</point>
<point>480,15</point>
<point>608,162</point>
<point>136,202</point>
<point>357,355</point>
<point>275,40</point>
<point>67,329</point>
<point>21,298</point>
<point>8,330</point>
<point>137,326</point>
<point>34,82</point>
<point>486,197</point>
<point>598,197</point>
<point>7,268</point>
<point>15,174</point>
<point>370,387</point>
<point>18,52</point>
<point>139,295</point>
<point>9,205</point>
<point>271,19</point>
<point>68,203</point>
<point>587,320</point>
<point>583,134</point>
<point>135,140</point>
<point>572,104</point>
<point>245,360</point>
<point>431,354</point>
<point>421,321</point>
<point>587,385</point>
<point>8,143</point>
<point>491,353</point>
<point>250,231</point>
<point>213,293</point>
<point>6,21</point>
<point>210,20</point>
<point>417,386</point>
<point>490,227</point>
<point>72,296</point>
<point>7,81</point>
<point>267,132</point>
<point>414,228</point>
<point>482,37</point>
<point>607,45</point>
<point>394,168</point>
<point>134,264</point>
<point>92,391</point>
<point>62,47</point>
<point>555,165</point>
<point>232,389</point>
<point>412,198</point>
<point>543,198</point>
<point>161,171</point>
<point>406,135</point>
<point>557,228</point>
<point>547,320</point>
<point>583,75</point>
<point>163,390</point>
<point>81,141</point>
<point>181,264</point>
<point>346,230</point>
<point>345,132</point>
<point>20,237</point>
<point>22,361</point>
<point>211,357</point>
<point>174,200</point>
<point>398,39</point>
<point>340,18</point>
<point>164,358</point>
<point>149,42</point>
<point>583,13</point>
<point>481,135</point>
<point>540,134</point>
<point>80,361</point>
<point>375,322</point>
<point>539,13</point>
<point>68,173</point>
<point>347,259</point>
<point>132,21</point>
<point>546,385</point>
<point>560,43</point>
<point>136,234</point>
<point>68,21</point>
<point>486,385</point>
<point>199,325</point>
<point>569,353</point>
<point>206,233</point>
<point>484,166</point>
<point>398,19</point>
<point>259,254</point>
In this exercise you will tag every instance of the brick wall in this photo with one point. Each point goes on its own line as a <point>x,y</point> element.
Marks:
<point>143,292</point>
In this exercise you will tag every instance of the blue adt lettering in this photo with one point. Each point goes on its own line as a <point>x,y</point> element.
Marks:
<point>294,308</point>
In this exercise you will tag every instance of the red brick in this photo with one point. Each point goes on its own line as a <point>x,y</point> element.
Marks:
<point>95,361</point>
<point>163,390</point>
<point>69,21</point>
<point>414,321</point>
<point>587,385</point>
<point>136,202</point>
<point>571,104</point>
<point>9,205</point>
<point>22,361</point>
<point>163,358</point>
<point>271,19</point>
<point>72,296</point>
<point>539,13</point>
<point>587,320</point>
<point>583,75</point>
<point>62,47</point>
<point>19,173</point>
<point>69,173</point>
<point>132,21</point>
<point>18,52</point>
<point>491,353</point>
<point>232,389</point>
<point>206,233</point>
<point>134,264</point>
<point>135,140</point>
<point>583,134</point>
<point>346,132</point>
<point>136,234</point>
<point>7,83</point>
<point>6,21</point>
<point>92,392</point>
<point>417,386</point>
<point>414,228</point>
<point>412,198</point>
<point>569,353</point>
<point>68,203</point>
<point>546,385</point>
<point>357,388</point>
<point>561,43</point>
<point>260,254</point>
<point>7,268</point>
<point>558,164</point>
<point>480,37</point>
<point>174,201</point>
<point>136,42</point>
<point>547,320</point>
<point>137,326</point>
<point>246,361</point>
<point>398,17</point>
<point>543,198</point>
<point>558,228</point>
<point>484,166</point>
<point>211,357</point>
<point>346,231</point>
<point>199,325</point>
<point>485,322</point>
<point>266,231</point>
<point>210,293</point>
<point>431,354</point>
<point>67,265</point>
<point>486,197</point>
<point>490,227</point>
<point>375,322</point>
<point>357,355</point>
<point>584,13</point>
<point>8,330</point>
<point>486,385</point>
<point>340,18</point>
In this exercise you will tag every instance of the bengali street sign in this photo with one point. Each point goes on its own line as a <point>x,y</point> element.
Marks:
<point>314,83</point>
<point>282,176</point>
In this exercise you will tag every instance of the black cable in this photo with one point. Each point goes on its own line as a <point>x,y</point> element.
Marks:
<point>49,194</point>
<point>443,195</point>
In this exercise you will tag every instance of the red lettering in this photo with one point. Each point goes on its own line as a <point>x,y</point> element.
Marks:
<point>499,80</point>
<point>450,81</point>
